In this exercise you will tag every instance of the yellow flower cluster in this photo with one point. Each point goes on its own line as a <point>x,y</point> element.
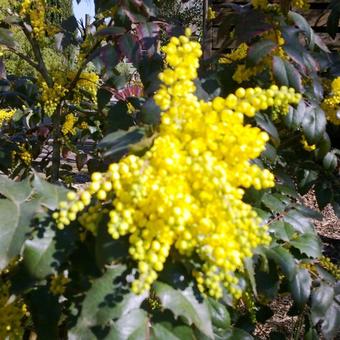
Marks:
<point>185,193</point>
<point>331,105</point>
<point>68,126</point>
<point>50,96</point>
<point>262,4</point>
<point>300,4</point>
<point>88,83</point>
<point>35,10</point>
<point>11,314</point>
<point>330,266</point>
<point>237,54</point>
<point>211,14</point>
<point>6,115</point>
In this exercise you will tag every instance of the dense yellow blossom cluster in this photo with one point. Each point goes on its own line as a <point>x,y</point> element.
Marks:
<point>50,96</point>
<point>237,54</point>
<point>6,115</point>
<point>68,126</point>
<point>331,105</point>
<point>35,10</point>
<point>88,83</point>
<point>185,193</point>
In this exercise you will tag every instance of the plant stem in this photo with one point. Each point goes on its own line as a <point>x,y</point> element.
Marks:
<point>56,146</point>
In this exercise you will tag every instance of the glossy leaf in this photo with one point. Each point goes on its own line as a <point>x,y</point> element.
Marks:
<point>300,285</point>
<point>322,298</point>
<point>308,243</point>
<point>184,303</point>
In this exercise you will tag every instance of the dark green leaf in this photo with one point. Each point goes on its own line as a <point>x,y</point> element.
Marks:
<point>107,299</point>
<point>322,298</point>
<point>266,124</point>
<point>184,303</point>
<point>45,311</point>
<point>219,314</point>
<point>119,117</point>
<point>284,259</point>
<point>260,50</point>
<point>150,112</point>
<point>314,124</point>
<point>286,74</point>
<point>323,194</point>
<point>308,243</point>
<point>330,161</point>
<point>282,230</point>
<point>331,324</point>
<point>333,22</point>
<point>118,143</point>
<point>267,282</point>
<point>299,222</point>
<point>300,285</point>
<point>273,203</point>
<point>103,98</point>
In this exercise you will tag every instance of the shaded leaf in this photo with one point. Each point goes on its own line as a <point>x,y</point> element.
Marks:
<point>300,285</point>
<point>308,243</point>
<point>184,303</point>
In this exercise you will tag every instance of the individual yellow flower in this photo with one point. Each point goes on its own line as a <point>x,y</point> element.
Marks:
<point>186,192</point>
<point>300,4</point>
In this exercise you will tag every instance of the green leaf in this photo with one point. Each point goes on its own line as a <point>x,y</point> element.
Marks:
<point>131,326</point>
<point>286,74</point>
<point>294,117</point>
<point>107,299</point>
<point>322,298</point>
<point>331,323</point>
<point>119,117</point>
<point>323,194</point>
<point>282,230</point>
<point>46,251</point>
<point>308,243</point>
<point>273,203</point>
<point>219,314</point>
<point>103,98</point>
<point>16,211</point>
<point>300,285</point>
<point>299,222</point>
<point>160,332</point>
<point>266,124</point>
<point>118,143</point>
<point>267,282</point>
<point>238,334</point>
<point>284,259</point>
<point>314,124</point>
<point>50,194</point>
<point>330,161</point>
<point>249,267</point>
<point>333,21</point>
<point>184,303</point>
<point>260,50</point>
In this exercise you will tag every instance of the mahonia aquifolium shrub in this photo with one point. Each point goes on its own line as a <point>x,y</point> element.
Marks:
<point>186,192</point>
